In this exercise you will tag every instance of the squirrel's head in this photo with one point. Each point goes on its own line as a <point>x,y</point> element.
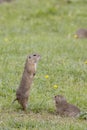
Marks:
<point>59,99</point>
<point>31,62</point>
<point>34,58</point>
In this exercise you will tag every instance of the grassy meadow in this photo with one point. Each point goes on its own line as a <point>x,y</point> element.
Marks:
<point>46,27</point>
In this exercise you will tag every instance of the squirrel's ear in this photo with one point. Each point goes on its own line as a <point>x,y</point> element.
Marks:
<point>29,57</point>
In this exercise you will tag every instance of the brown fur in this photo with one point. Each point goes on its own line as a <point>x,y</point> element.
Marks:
<point>1,1</point>
<point>81,33</point>
<point>22,93</point>
<point>63,108</point>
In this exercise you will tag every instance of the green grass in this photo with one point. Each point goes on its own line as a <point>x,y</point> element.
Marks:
<point>48,28</point>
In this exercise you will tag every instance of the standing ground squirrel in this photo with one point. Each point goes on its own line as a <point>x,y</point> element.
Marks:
<point>81,33</point>
<point>63,108</point>
<point>22,92</point>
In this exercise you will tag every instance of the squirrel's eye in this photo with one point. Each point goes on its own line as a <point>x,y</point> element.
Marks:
<point>34,55</point>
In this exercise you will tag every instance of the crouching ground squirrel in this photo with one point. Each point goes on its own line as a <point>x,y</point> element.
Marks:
<point>63,108</point>
<point>81,33</point>
<point>22,92</point>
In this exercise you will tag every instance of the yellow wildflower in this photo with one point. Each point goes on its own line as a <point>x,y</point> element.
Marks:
<point>6,40</point>
<point>55,86</point>
<point>85,62</point>
<point>46,76</point>
<point>75,36</point>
